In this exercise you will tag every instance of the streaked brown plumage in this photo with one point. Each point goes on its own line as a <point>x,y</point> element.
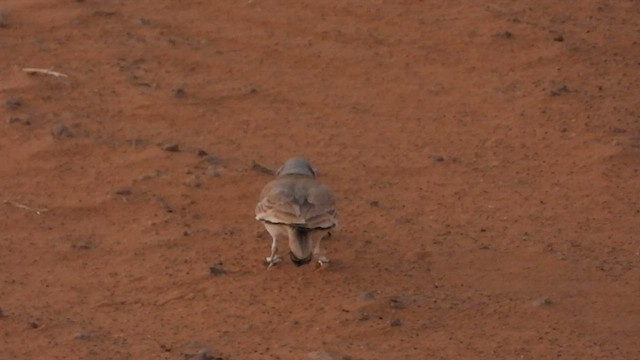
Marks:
<point>297,206</point>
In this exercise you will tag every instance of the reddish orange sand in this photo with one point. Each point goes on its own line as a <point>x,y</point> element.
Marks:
<point>485,158</point>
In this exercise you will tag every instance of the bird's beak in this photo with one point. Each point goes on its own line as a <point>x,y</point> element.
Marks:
<point>300,262</point>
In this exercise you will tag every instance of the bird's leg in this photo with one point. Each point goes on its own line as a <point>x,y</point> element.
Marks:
<point>322,260</point>
<point>274,258</point>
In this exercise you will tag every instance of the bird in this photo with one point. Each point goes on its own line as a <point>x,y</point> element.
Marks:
<point>297,206</point>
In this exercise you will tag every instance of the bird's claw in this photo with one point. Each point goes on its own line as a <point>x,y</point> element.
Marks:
<point>322,263</point>
<point>272,261</point>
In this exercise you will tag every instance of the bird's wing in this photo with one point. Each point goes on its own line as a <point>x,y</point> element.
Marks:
<point>297,201</point>
<point>278,203</point>
<point>319,209</point>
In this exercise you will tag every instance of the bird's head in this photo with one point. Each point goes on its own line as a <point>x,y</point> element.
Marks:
<point>300,261</point>
<point>297,166</point>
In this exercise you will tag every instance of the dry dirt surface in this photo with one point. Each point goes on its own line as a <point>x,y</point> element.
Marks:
<point>484,155</point>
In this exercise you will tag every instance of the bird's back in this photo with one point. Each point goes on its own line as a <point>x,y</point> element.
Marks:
<point>299,201</point>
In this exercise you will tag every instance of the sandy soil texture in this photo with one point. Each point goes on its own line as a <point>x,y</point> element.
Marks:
<point>485,157</point>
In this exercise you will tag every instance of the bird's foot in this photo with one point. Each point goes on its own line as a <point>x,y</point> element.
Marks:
<point>272,261</point>
<point>322,262</point>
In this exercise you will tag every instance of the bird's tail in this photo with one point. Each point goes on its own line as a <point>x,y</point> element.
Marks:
<point>300,245</point>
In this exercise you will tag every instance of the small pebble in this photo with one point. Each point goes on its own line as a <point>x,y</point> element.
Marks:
<point>542,302</point>
<point>12,104</point>
<point>17,120</point>
<point>396,303</point>
<point>211,171</point>
<point>201,153</point>
<point>503,35</point>
<point>366,296</point>
<point>152,175</point>
<point>103,13</point>
<point>217,270</point>
<point>178,93</point>
<point>4,19</point>
<point>60,131</point>
<point>261,168</point>
<point>81,336</point>
<point>559,38</point>
<point>194,182</point>
<point>83,244</point>
<point>203,354</point>
<point>171,147</point>
<point>213,160</point>
<point>374,203</point>
<point>320,355</point>
<point>395,322</point>
<point>559,90</point>
<point>124,192</point>
<point>437,158</point>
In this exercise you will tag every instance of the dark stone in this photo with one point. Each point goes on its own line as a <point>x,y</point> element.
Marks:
<point>217,270</point>
<point>178,93</point>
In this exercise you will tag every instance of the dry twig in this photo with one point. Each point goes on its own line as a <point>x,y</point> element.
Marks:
<point>38,211</point>
<point>44,71</point>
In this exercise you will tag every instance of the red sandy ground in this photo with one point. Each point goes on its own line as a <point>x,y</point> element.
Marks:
<point>484,155</point>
